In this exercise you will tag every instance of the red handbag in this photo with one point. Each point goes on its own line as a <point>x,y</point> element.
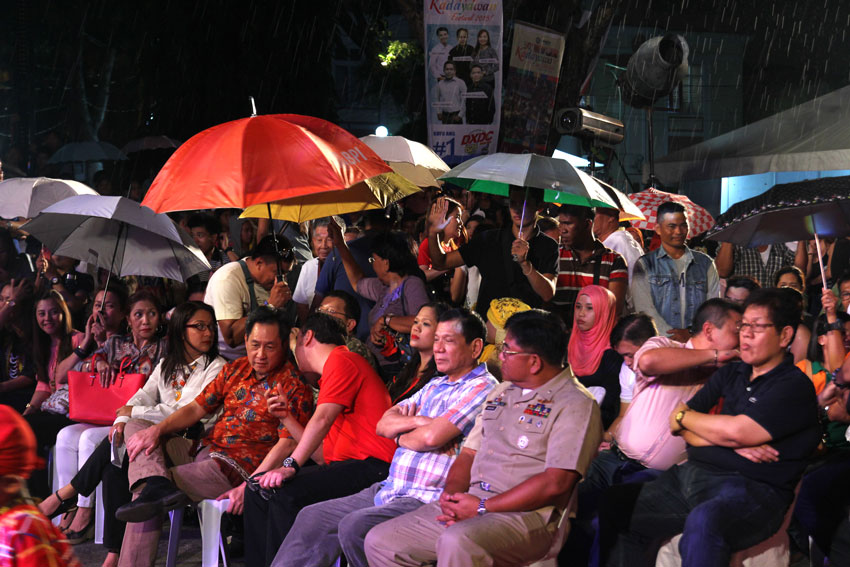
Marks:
<point>90,402</point>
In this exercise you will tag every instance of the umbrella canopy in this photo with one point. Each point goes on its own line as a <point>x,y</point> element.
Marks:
<point>119,235</point>
<point>495,173</point>
<point>150,143</point>
<point>788,212</point>
<point>699,220</point>
<point>28,196</point>
<point>261,159</point>
<point>628,210</point>
<point>413,160</point>
<point>374,193</point>
<point>87,151</point>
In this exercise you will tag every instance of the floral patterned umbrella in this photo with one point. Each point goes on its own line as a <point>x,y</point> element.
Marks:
<point>699,220</point>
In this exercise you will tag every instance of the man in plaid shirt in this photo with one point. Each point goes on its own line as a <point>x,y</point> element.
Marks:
<point>761,262</point>
<point>428,428</point>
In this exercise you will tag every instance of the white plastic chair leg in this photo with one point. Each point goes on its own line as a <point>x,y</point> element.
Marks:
<point>209,515</point>
<point>99,515</point>
<point>174,536</point>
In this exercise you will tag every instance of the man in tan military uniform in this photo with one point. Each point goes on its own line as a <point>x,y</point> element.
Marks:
<point>515,477</point>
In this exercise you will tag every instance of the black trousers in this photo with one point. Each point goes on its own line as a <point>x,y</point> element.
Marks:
<point>116,490</point>
<point>268,522</point>
<point>46,427</point>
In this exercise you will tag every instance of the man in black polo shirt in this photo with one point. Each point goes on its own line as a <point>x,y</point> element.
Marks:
<point>743,464</point>
<point>517,261</point>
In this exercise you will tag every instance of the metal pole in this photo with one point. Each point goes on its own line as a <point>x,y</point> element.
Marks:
<point>651,146</point>
<point>276,244</point>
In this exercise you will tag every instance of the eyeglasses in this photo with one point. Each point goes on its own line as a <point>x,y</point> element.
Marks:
<point>201,327</point>
<point>756,328</point>
<point>841,385</point>
<point>504,352</point>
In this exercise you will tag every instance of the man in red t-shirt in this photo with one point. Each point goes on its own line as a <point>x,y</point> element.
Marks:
<point>340,437</point>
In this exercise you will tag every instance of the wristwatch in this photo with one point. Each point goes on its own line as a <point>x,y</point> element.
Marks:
<point>680,415</point>
<point>387,318</point>
<point>482,506</point>
<point>835,326</point>
<point>54,280</point>
<point>291,463</point>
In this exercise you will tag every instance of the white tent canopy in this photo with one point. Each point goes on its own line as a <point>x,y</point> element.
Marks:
<point>813,136</point>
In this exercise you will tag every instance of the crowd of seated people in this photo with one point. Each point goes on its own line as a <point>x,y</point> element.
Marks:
<point>493,384</point>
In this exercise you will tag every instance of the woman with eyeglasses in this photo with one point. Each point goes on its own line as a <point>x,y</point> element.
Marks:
<point>135,353</point>
<point>398,292</point>
<point>593,361</point>
<point>191,363</point>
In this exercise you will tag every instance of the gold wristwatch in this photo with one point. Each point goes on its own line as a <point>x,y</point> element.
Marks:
<point>680,415</point>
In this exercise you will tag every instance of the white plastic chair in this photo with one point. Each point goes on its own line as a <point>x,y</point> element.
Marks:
<point>212,544</point>
<point>775,551</point>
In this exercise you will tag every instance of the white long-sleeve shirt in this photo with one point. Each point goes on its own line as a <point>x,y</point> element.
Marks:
<point>162,396</point>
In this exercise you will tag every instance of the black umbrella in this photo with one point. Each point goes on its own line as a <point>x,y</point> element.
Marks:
<point>789,211</point>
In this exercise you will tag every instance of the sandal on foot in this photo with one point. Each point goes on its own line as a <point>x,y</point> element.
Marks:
<point>65,505</point>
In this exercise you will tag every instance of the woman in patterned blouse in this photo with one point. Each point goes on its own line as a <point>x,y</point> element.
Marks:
<point>137,352</point>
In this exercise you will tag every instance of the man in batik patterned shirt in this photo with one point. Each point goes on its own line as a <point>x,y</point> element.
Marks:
<point>245,440</point>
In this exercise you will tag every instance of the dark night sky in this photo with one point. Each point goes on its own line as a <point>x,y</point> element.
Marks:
<point>194,64</point>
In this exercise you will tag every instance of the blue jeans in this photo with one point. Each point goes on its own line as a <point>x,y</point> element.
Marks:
<point>610,467</point>
<point>716,513</point>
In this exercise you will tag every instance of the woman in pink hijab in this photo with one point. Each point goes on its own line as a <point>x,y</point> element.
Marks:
<point>593,361</point>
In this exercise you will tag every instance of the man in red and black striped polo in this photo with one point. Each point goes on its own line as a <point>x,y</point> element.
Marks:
<point>583,260</point>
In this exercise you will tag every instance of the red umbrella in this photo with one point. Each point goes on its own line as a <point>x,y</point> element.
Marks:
<point>699,220</point>
<point>260,159</point>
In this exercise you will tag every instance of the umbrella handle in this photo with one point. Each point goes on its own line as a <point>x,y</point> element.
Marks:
<point>111,266</point>
<point>820,261</point>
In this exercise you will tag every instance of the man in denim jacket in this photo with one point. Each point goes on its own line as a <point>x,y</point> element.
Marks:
<point>671,282</point>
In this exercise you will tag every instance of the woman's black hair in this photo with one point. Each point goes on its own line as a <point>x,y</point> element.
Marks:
<point>394,248</point>
<point>41,340</point>
<point>798,273</point>
<point>120,291</point>
<point>409,381</point>
<point>176,355</point>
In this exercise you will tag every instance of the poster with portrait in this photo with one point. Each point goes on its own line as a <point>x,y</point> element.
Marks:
<point>533,74</point>
<point>463,79</point>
